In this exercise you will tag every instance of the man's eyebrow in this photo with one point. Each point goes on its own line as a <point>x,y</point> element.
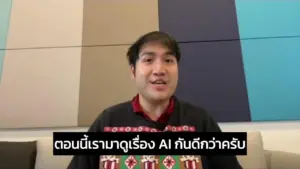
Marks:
<point>169,53</point>
<point>147,53</point>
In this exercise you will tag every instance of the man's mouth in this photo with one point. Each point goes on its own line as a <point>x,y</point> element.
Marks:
<point>159,82</point>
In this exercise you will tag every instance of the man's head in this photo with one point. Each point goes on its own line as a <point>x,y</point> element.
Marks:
<point>154,59</point>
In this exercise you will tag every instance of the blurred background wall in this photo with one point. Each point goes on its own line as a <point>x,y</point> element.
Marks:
<point>63,61</point>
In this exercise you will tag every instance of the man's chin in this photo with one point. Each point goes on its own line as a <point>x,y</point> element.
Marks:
<point>160,97</point>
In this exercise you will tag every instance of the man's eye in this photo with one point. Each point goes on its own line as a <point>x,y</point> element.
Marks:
<point>147,60</point>
<point>169,60</point>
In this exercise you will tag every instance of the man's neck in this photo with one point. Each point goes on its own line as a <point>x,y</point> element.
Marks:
<point>153,109</point>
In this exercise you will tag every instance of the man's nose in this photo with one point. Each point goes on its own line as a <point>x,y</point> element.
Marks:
<point>159,69</point>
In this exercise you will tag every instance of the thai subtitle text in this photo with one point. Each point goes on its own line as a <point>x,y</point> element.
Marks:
<point>137,144</point>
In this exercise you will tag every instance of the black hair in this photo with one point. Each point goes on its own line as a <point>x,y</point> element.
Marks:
<point>155,36</point>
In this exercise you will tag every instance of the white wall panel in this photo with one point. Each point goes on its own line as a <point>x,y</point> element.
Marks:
<point>45,23</point>
<point>40,88</point>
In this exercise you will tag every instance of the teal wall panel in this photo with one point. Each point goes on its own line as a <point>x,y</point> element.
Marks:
<point>268,18</point>
<point>2,53</point>
<point>5,7</point>
<point>272,68</point>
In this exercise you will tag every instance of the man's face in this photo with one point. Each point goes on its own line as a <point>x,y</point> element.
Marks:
<point>156,72</point>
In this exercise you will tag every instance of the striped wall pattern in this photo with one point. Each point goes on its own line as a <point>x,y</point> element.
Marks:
<point>63,61</point>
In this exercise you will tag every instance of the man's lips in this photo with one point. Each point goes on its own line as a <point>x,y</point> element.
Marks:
<point>159,82</point>
<point>159,85</point>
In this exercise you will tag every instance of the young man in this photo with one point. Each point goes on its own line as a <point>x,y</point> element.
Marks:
<point>154,59</point>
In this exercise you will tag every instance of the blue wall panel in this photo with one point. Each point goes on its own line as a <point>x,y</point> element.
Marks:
<point>255,45</point>
<point>268,18</point>
<point>212,76</point>
<point>272,68</point>
<point>198,20</point>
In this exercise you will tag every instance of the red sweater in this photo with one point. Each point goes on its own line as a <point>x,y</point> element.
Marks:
<point>184,117</point>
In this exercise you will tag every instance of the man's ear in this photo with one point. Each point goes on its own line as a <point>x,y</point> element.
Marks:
<point>132,71</point>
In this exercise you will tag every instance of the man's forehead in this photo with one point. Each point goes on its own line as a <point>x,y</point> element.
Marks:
<point>154,48</point>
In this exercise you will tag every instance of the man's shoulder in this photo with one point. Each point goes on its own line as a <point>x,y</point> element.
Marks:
<point>197,115</point>
<point>118,108</point>
<point>110,114</point>
<point>188,108</point>
<point>125,105</point>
